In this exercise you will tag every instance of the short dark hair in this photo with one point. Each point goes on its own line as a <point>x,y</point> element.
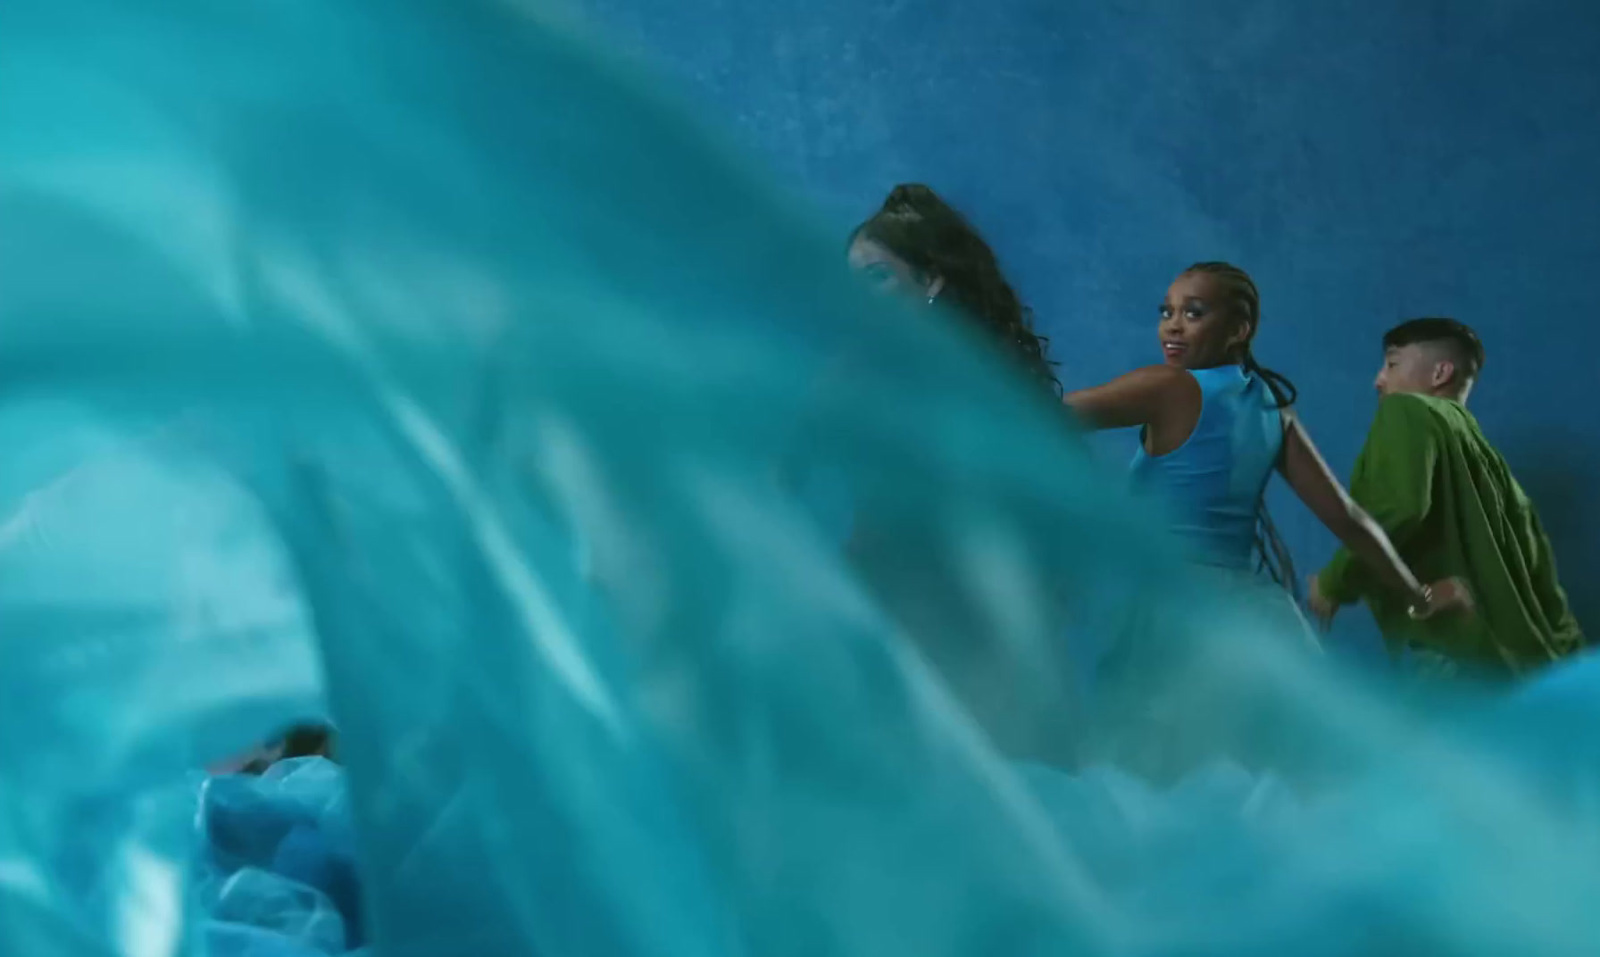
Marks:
<point>1463,342</point>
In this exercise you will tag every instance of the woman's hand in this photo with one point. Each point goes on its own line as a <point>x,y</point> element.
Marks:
<point>1322,607</point>
<point>1445,597</point>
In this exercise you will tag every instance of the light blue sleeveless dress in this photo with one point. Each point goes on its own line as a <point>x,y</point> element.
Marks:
<point>1210,489</point>
<point>1213,483</point>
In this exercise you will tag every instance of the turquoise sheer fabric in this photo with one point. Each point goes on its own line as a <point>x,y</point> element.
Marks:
<point>414,365</point>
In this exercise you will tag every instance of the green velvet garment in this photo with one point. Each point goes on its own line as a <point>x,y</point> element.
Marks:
<point>1452,508</point>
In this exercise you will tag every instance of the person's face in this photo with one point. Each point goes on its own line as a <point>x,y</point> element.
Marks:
<point>888,273</point>
<point>1415,368</point>
<point>1198,327</point>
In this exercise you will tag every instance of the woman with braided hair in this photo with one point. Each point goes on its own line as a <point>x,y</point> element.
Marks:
<point>1214,424</point>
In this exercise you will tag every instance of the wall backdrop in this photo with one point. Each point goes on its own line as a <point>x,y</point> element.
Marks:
<point>1366,160</point>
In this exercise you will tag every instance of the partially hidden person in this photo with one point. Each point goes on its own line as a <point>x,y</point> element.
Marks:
<point>909,549</point>
<point>918,246</point>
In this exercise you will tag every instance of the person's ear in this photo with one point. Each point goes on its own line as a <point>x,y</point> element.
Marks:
<point>1239,338</point>
<point>934,287</point>
<point>1443,371</point>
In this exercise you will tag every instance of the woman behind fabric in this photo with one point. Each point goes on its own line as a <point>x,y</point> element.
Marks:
<point>917,247</point>
<point>1215,424</point>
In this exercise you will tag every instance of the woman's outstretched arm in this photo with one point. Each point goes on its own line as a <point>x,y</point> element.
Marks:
<point>1149,397</point>
<point>1317,486</point>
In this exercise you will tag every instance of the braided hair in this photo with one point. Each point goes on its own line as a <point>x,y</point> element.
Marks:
<point>1275,559</point>
<point>928,235</point>
<point>1248,301</point>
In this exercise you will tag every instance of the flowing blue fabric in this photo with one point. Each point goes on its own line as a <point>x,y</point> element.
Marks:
<point>279,861</point>
<point>411,364</point>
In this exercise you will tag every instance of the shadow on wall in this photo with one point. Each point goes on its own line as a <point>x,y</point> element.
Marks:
<point>1559,473</point>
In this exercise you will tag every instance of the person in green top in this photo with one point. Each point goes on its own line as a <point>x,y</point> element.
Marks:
<point>1451,507</point>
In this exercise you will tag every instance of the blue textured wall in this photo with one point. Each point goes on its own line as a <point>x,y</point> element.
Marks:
<point>1367,161</point>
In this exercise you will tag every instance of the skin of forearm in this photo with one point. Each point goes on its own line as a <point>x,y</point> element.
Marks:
<point>1367,541</point>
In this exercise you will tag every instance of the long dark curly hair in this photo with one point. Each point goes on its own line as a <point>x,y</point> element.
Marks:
<point>927,234</point>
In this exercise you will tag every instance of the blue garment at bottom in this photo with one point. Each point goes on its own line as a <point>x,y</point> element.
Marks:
<point>276,865</point>
<point>1192,862</point>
